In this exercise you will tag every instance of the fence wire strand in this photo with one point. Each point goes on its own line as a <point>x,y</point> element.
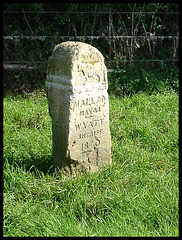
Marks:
<point>83,38</point>
<point>89,37</point>
<point>58,12</point>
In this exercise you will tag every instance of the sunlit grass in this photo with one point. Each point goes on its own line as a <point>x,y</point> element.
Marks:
<point>136,196</point>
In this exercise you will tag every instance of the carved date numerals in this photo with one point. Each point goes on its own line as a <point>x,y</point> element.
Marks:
<point>90,146</point>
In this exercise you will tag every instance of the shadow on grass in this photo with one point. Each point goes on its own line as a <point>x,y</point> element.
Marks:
<point>39,164</point>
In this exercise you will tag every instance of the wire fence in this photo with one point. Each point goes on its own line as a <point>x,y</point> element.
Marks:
<point>117,46</point>
<point>42,38</point>
<point>73,12</point>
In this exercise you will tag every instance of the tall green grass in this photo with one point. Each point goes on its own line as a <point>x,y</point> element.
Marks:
<point>136,196</point>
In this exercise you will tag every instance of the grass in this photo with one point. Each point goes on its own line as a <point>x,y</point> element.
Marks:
<point>136,196</point>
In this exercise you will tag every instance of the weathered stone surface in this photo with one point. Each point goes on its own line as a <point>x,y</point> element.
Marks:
<point>78,104</point>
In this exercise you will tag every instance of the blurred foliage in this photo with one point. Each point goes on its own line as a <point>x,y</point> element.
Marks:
<point>38,19</point>
<point>139,79</point>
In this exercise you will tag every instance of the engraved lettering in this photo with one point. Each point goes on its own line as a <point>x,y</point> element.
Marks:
<point>81,113</point>
<point>88,124</point>
<point>90,112</point>
<point>89,101</point>
<point>78,126</point>
<point>90,134</point>
<point>85,124</point>
<point>90,146</point>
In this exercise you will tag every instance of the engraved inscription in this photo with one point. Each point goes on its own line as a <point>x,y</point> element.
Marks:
<point>89,146</point>
<point>90,112</point>
<point>90,134</point>
<point>89,101</point>
<point>87,72</point>
<point>89,124</point>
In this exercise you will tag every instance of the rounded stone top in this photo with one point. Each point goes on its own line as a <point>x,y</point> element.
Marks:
<point>77,60</point>
<point>79,51</point>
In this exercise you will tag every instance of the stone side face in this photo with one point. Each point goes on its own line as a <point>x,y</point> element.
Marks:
<point>78,103</point>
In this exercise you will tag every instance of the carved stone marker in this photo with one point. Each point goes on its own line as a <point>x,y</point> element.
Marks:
<point>78,104</point>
